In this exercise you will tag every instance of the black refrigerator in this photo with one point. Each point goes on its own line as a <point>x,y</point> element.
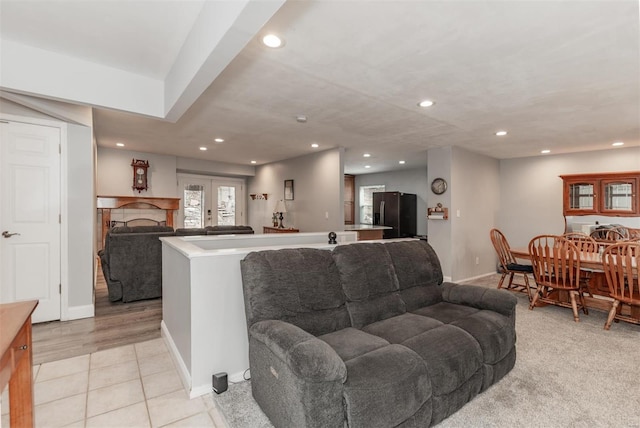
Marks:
<point>397,210</point>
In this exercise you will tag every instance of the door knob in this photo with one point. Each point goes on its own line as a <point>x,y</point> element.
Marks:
<point>6,234</point>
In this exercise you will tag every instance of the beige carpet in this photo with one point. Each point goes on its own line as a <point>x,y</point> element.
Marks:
<point>567,374</point>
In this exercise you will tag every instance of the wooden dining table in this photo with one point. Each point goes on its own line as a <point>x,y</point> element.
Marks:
<point>597,282</point>
<point>588,260</point>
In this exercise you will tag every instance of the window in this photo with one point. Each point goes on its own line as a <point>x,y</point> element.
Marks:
<point>193,205</point>
<point>366,202</point>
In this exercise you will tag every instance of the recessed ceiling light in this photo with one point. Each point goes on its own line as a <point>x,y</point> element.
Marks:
<point>618,143</point>
<point>401,162</point>
<point>219,140</point>
<point>204,149</point>
<point>272,41</point>
<point>501,133</point>
<point>254,161</point>
<point>301,118</point>
<point>545,151</point>
<point>120,144</point>
<point>367,166</point>
<point>366,155</point>
<point>315,145</point>
<point>426,103</point>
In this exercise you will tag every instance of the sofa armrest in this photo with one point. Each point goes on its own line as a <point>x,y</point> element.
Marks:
<point>500,301</point>
<point>306,356</point>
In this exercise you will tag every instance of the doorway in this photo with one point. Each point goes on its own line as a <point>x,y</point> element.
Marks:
<point>210,201</point>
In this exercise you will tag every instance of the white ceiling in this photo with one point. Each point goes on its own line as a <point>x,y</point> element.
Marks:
<point>559,75</point>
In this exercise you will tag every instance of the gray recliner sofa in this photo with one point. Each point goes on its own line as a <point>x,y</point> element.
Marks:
<point>368,335</point>
<point>132,258</point>
<point>132,262</point>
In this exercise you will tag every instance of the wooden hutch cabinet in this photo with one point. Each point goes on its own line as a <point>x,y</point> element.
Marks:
<point>608,194</point>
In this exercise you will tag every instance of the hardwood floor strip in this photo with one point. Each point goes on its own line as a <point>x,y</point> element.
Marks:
<point>115,324</point>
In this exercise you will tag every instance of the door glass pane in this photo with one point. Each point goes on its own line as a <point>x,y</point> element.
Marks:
<point>581,196</point>
<point>226,205</point>
<point>366,202</point>
<point>193,206</point>
<point>617,196</point>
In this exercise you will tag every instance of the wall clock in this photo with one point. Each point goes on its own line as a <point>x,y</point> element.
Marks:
<point>140,168</point>
<point>439,186</point>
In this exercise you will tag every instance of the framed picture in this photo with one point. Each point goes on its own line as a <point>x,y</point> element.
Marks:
<point>288,190</point>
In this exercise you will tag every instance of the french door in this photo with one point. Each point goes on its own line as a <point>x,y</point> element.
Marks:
<point>30,217</point>
<point>210,201</point>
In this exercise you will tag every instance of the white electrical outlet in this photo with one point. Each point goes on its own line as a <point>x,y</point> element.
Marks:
<point>477,260</point>
<point>457,213</point>
<point>326,215</point>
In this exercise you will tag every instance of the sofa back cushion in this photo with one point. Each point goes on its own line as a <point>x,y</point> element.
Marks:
<point>140,229</point>
<point>418,271</point>
<point>229,230</point>
<point>300,286</point>
<point>369,282</point>
<point>191,231</point>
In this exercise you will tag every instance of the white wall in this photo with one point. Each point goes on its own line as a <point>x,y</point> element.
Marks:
<point>318,190</point>
<point>407,181</point>
<point>439,164</point>
<point>475,193</point>
<point>115,174</point>
<point>531,189</point>
<point>81,212</point>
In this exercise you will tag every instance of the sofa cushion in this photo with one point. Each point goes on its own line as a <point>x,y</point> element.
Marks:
<point>385,387</point>
<point>229,230</point>
<point>402,327</point>
<point>369,282</point>
<point>191,231</point>
<point>494,332</point>
<point>350,342</point>
<point>140,229</point>
<point>452,356</point>
<point>418,271</point>
<point>300,286</point>
<point>446,312</point>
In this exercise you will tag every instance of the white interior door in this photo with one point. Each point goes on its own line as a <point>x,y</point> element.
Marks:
<point>30,217</point>
<point>210,201</point>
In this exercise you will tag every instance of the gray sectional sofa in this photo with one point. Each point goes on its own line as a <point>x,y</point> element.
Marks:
<point>132,258</point>
<point>368,335</point>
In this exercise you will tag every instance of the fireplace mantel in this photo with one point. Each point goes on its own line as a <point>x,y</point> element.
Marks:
<point>107,203</point>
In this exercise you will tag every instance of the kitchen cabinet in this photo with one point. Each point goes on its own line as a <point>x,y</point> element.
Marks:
<point>608,194</point>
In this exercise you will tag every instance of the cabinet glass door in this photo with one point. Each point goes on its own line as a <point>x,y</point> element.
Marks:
<point>618,196</point>
<point>581,196</point>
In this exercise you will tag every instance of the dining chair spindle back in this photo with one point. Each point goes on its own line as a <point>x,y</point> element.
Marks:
<point>620,262</point>
<point>509,265</point>
<point>556,268</point>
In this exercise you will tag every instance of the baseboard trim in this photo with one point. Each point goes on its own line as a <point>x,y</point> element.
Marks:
<point>183,372</point>
<point>476,277</point>
<point>79,312</point>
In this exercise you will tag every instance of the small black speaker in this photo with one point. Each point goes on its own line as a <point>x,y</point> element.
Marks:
<point>220,383</point>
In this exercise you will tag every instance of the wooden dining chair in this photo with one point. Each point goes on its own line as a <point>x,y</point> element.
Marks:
<point>608,235</point>
<point>585,244</point>
<point>509,265</point>
<point>620,262</point>
<point>556,268</point>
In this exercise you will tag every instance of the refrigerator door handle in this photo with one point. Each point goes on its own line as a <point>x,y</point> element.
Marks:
<point>382,222</point>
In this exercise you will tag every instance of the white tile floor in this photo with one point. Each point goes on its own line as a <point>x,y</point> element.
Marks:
<point>131,386</point>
